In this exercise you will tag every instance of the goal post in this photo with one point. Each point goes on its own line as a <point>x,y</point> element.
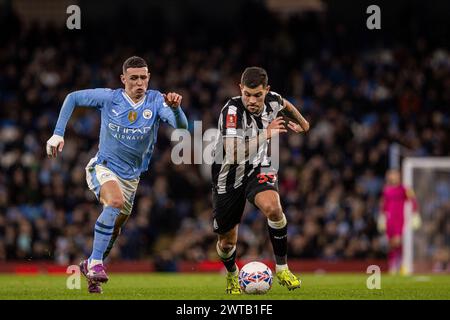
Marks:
<point>429,178</point>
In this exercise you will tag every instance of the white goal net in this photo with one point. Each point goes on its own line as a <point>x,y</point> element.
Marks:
<point>428,248</point>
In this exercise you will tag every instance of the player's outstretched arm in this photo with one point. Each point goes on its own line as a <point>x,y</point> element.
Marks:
<point>88,98</point>
<point>300,124</point>
<point>174,115</point>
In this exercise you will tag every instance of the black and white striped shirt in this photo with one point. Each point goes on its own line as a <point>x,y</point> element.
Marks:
<point>235,121</point>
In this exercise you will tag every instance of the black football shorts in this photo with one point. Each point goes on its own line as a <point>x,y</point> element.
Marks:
<point>228,207</point>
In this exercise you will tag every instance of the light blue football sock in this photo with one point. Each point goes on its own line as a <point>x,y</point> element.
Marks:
<point>103,231</point>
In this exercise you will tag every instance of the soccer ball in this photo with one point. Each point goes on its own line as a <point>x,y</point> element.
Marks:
<point>255,278</point>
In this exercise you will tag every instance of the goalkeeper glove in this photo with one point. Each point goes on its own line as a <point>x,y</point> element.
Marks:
<point>416,221</point>
<point>381,223</point>
<point>54,144</point>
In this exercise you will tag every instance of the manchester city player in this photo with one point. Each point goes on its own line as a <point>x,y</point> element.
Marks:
<point>130,119</point>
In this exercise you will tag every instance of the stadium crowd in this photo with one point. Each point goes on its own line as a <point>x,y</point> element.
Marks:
<point>358,103</point>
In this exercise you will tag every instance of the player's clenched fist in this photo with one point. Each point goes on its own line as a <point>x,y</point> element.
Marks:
<point>54,144</point>
<point>275,127</point>
<point>172,99</point>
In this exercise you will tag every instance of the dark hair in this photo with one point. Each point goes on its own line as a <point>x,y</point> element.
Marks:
<point>134,62</point>
<point>252,77</point>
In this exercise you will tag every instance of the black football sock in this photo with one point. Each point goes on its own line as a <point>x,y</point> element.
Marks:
<point>278,237</point>
<point>228,258</point>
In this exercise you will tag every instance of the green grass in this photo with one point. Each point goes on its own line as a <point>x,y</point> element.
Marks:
<point>212,286</point>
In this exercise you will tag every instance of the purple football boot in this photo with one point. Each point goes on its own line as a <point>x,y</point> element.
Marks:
<point>97,273</point>
<point>93,287</point>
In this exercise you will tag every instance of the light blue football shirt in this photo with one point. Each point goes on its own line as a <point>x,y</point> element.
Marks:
<point>128,130</point>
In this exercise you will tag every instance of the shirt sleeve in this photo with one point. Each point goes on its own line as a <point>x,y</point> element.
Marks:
<point>277,102</point>
<point>230,122</point>
<point>173,116</point>
<point>95,98</point>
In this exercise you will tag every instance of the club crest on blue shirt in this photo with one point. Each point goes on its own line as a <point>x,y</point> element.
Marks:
<point>147,113</point>
<point>132,116</point>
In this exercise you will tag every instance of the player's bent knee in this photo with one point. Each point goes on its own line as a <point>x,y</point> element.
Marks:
<point>273,212</point>
<point>116,203</point>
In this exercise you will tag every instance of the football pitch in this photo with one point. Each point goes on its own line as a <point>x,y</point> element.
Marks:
<point>187,286</point>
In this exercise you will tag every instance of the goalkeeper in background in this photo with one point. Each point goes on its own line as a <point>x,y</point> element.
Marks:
<point>392,216</point>
<point>130,118</point>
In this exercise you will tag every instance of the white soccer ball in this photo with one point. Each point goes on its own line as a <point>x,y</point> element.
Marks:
<point>255,278</point>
